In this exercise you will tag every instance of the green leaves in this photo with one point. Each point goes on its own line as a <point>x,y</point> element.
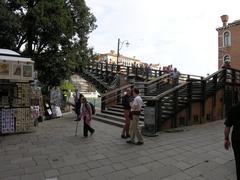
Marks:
<point>53,33</point>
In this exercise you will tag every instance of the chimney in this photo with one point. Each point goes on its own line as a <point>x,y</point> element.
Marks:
<point>224,20</point>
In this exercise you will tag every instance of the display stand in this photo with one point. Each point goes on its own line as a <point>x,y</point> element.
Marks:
<point>37,109</point>
<point>16,73</point>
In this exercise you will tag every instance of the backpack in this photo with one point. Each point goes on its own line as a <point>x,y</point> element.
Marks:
<point>92,107</point>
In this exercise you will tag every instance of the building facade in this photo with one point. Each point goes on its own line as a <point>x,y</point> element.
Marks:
<point>111,58</point>
<point>229,43</point>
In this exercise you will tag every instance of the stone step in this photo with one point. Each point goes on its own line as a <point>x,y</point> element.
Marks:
<point>121,110</point>
<point>118,114</point>
<point>112,120</point>
<point>108,121</point>
<point>116,109</point>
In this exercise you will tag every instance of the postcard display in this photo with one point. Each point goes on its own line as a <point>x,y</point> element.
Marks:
<point>37,109</point>
<point>15,94</point>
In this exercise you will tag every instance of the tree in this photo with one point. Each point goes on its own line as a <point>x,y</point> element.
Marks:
<point>53,33</point>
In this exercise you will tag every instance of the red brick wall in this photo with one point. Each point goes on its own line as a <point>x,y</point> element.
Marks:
<point>233,50</point>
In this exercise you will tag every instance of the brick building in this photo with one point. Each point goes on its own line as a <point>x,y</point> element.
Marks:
<point>229,43</point>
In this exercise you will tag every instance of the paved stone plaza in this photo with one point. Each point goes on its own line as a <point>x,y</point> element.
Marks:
<point>52,152</point>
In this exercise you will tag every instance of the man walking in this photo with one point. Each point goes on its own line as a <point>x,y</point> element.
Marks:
<point>233,120</point>
<point>136,106</point>
<point>175,77</point>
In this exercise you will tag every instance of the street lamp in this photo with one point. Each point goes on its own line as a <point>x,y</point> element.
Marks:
<point>120,45</point>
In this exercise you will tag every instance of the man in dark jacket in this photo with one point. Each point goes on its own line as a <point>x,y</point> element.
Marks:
<point>126,99</point>
<point>233,120</point>
<point>77,100</point>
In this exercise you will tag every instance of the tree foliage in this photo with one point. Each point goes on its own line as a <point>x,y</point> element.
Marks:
<point>53,33</point>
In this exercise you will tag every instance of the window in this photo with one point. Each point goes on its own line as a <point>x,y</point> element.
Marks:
<point>226,42</point>
<point>226,58</point>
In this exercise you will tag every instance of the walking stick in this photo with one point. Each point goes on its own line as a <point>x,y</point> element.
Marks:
<point>76,128</point>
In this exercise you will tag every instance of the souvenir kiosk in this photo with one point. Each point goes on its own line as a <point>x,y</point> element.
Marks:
<point>16,74</point>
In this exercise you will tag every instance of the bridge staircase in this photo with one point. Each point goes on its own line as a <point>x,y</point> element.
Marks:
<point>112,110</point>
<point>175,106</point>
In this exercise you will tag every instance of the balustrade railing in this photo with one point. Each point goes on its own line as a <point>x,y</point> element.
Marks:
<point>183,95</point>
<point>113,97</point>
<point>127,70</point>
<point>159,92</point>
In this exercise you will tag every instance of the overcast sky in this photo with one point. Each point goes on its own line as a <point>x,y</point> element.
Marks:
<point>182,33</point>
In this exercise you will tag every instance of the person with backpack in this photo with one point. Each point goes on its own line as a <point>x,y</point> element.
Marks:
<point>86,116</point>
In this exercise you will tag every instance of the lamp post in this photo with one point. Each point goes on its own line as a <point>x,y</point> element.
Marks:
<point>119,47</point>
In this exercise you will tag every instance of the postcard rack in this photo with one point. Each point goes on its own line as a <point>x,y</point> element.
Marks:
<point>15,112</point>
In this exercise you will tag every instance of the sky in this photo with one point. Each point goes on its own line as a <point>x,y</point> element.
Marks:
<point>182,33</point>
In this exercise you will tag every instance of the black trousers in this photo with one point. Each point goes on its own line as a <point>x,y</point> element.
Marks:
<point>236,150</point>
<point>87,128</point>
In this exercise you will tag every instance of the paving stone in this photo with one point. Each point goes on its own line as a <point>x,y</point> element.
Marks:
<point>66,170</point>
<point>12,172</point>
<point>36,169</point>
<point>98,178</point>
<point>144,160</point>
<point>178,176</point>
<point>11,157</point>
<point>105,161</point>
<point>12,178</point>
<point>97,157</point>
<point>51,173</point>
<point>28,164</point>
<point>120,175</point>
<point>166,171</point>
<point>168,161</point>
<point>5,166</point>
<point>34,176</point>
<point>194,172</point>
<point>182,165</point>
<point>53,178</point>
<point>231,177</point>
<point>118,166</point>
<point>130,163</point>
<point>93,164</point>
<point>199,178</point>
<point>74,176</point>
<point>196,152</point>
<point>154,165</point>
<point>146,176</point>
<point>139,170</point>
<point>101,171</point>
<point>80,167</point>
<point>213,175</point>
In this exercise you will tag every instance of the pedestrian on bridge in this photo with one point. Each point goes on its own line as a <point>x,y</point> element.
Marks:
<point>175,77</point>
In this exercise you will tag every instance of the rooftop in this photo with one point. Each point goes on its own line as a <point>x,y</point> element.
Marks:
<point>8,52</point>
<point>9,55</point>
